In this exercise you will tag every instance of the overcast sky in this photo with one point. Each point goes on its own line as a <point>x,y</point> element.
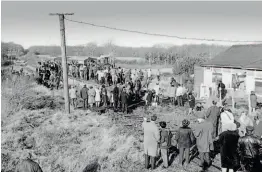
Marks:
<point>29,23</point>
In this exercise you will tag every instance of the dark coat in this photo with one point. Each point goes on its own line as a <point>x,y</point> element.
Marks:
<point>249,146</point>
<point>124,97</point>
<point>185,137</point>
<point>164,137</point>
<point>149,97</point>
<point>191,101</point>
<point>84,93</point>
<point>28,166</point>
<point>116,93</point>
<point>228,141</point>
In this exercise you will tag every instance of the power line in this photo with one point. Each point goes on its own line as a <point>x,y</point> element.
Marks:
<point>162,35</point>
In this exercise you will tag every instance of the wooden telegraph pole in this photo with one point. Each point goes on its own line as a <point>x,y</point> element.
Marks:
<point>64,59</point>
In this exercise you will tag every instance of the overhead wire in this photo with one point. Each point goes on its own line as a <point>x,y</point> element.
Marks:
<point>162,35</point>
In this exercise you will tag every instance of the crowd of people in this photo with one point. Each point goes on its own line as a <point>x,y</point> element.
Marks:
<point>217,130</point>
<point>239,141</point>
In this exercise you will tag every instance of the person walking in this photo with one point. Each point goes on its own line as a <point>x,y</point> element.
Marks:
<point>228,141</point>
<point>248,148</point>
<point>84,96</point>
<point>203,133</point>
<point>185,139</point>
<point>212,115</point>
<point>151,140</point>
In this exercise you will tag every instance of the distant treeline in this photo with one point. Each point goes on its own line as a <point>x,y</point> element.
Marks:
<point>183,58</point>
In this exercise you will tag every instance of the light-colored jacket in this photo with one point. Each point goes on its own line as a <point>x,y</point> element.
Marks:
<point>151,138</point>
<point>226,117</point>
<point>91,96</point>
<point>179,91</point>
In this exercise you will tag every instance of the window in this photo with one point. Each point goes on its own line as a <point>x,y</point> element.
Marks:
<point>216,77</point>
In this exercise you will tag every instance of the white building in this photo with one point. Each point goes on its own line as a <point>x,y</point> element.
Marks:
<point>243,60</point>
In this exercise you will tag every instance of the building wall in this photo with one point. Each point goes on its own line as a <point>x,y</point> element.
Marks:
<point>252,81</point>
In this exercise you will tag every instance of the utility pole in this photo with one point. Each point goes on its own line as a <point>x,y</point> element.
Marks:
<point>64,58</point>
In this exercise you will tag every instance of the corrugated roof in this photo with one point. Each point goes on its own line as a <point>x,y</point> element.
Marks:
<point>239,56</point>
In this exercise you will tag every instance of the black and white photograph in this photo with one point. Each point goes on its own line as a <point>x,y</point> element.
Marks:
<point>131,86</point>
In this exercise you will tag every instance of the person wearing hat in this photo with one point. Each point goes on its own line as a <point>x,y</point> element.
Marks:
<point>204,141</point>
<point>27,164</point>
<point>151,140</point>
<point>249,147</point>
<point>185,139</point>
<point>212,115</point>
<point>228,150</point>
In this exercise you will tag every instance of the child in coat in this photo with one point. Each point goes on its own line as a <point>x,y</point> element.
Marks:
<point>185,139</point>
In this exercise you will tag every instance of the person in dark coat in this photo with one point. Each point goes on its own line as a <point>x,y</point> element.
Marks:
<point>192,102</point>
<point>248,149</point>
<point>27,164</point>
<point>185,139</point>
<point>149,97</point>
<point>212,115</point>
<point>228,141</point>
<point>164,143</point>
<point>124,100</point>
<point>104,95</point>
<point>84,96</point>
<point>116,96</point>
